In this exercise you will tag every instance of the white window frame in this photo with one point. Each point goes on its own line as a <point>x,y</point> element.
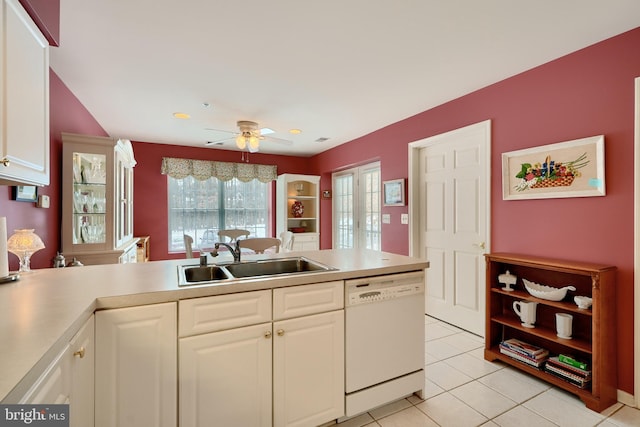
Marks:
<point>211,213</point>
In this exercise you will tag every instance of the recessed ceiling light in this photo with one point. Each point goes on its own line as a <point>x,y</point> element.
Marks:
<point>295,131</point>
<point>181,116</point>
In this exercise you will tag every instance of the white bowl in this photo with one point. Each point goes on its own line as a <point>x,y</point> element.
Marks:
<point>583,302</point>
<point>547,292</point>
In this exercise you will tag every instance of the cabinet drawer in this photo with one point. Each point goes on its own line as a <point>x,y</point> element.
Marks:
<point>297,301</point>
<point>208,314</point>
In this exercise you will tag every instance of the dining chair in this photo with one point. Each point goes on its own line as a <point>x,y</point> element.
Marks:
<point>232,234</point>
<point>188,246</point>
<point>260,244</point>
<point>287,241</point>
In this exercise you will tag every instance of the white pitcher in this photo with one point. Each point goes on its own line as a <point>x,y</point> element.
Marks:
<point>526,311</point>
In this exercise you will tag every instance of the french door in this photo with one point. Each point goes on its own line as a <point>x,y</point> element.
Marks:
<point>356,207</point>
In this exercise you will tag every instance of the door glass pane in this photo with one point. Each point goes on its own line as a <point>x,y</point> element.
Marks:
<point>370,212</point>
<point>343,220</point>
<point>89,198</point>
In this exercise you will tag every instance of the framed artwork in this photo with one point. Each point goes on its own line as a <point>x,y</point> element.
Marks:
<point>565,169</point>
<point>25,193</point>
<point>393,192</point>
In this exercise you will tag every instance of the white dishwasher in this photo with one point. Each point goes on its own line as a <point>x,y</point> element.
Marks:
<point>384,339</point>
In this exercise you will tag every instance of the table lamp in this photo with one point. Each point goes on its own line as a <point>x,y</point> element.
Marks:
<point>23,243</point>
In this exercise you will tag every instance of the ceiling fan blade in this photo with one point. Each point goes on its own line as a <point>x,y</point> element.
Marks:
<point>220,141</point>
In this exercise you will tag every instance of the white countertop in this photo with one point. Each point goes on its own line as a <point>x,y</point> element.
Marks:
<point>41,311</point>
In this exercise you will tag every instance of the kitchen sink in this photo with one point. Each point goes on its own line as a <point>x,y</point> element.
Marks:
<point>275,266</point>
<point>205,274</point>
<point>194,275</point>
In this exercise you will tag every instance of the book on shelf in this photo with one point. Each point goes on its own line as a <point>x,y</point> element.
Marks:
<point>536,363</point>
<point>570,360</point>
<point>576,380</point>
<point>525,349</point>
<point>557,363</point>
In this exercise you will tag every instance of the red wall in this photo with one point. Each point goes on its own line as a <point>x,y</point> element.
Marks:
<point>150,186</point>
<point>589,92</point>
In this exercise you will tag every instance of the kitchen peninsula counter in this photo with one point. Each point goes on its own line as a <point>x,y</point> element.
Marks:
<point>42,311</point>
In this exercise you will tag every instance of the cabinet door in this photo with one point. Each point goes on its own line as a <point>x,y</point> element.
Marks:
<point>225,378</point>
<point>136,359</point>
<point>24,97</point>
<point>308,369</point>
<point>82,352</point>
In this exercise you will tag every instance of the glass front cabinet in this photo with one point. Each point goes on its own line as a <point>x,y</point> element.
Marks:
<point>97,196</point>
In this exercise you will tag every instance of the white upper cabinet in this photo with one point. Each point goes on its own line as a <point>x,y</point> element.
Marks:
<point>24,98</point>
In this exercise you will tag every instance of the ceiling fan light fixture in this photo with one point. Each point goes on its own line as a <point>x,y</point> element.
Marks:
<point>254,142</point>
<point>241,142</point>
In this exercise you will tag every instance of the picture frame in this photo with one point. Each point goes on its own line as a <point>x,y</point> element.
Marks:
<point>326,194</point>
<point>566,169</point>
<point>25,193</point>
<point>393,192</point>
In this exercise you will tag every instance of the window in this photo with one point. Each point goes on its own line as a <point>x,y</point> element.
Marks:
<point>202,208</point>
<point>356,208</point>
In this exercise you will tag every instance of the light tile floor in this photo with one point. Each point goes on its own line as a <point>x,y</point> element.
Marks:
<point>464,390</point>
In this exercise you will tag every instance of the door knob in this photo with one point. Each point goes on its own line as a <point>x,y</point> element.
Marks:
<point>280,332</point>
<point>79,353</point>
<point>479,245</point>
<point>267,334</point>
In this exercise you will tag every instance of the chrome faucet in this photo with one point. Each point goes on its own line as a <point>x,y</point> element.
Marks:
<point>234,251</point>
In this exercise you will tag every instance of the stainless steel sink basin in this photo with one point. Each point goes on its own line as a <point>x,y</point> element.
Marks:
<point>275,266</point>
<point>195,275</point>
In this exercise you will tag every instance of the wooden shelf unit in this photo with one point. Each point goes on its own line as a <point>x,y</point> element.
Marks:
<point>594,330</point>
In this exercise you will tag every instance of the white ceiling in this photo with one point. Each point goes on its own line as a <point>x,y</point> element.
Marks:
<point>337,69</point>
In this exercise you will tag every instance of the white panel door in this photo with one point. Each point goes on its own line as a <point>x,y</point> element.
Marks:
<point>136,366</point>
<point>453,224</point>
<point>225,378</point>
<point>308,370</point>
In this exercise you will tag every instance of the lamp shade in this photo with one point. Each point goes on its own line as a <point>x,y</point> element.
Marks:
<point>23,243</point>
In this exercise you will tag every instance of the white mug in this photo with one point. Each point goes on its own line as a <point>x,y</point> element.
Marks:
<point>563,325</point>
<point>526,311</point>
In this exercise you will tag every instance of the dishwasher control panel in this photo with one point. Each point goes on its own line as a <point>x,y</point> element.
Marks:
<point>375,289</point>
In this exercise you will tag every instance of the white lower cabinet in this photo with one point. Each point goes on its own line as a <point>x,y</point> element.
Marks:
<point>136,366</point>
<point>253,372</point>
<point>308,369</point>
<point>70,379</point>
<point>225,378</point>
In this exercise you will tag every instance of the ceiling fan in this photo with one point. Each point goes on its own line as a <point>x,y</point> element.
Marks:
<point>249,136</point>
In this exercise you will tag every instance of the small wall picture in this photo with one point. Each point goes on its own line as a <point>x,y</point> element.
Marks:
<point>393,192</point>
<point>326,194</point>
<point>25,193</point>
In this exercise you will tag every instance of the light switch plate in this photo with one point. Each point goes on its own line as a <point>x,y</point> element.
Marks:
<point>43,201</point>
<point>404,219</point>
<point>386,218</point>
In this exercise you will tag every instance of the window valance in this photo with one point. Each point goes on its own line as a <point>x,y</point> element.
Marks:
<point>224,171</point>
